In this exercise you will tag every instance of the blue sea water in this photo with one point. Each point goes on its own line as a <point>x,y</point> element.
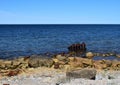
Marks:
<point>17,40</point>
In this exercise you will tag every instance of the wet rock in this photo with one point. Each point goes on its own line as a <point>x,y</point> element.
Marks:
<point>118,55</point>
<point>84,73</point>
<point>105,55</point>
<point>89,55</point>
<point>112,54</point>
<point>97,54</point>
<point>77,47</point>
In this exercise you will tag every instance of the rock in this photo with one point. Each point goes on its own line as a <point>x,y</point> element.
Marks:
<point>24,62</point>
<point>39,62</point>
<point>47,62</point>
<point>75,62</point>
<point>2,64</point>
<point>71,59</point>
<point>21,60</point>
<point>65,67</point>
<point>108,63</point>
<point>7,64</point>
<point>77,47</point>
<point>97,54</point>
<point>84,73</point>
<point>100,64</point>
<point>61,58</point>
<point>80,62</point>
<point>55,60</point>
<point>16,62</point>
<point>112,54</point>
<point>76,65</point>
<point>106,55</point>
<point>114,75</point>
<point>87,62</point>
<point>118,55</point>
<point>13,73</point>
<point>115,65</point>
<point>56,65</point>
<point>89,55</point>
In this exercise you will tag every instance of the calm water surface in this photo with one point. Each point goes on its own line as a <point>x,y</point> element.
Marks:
<point>16,40</point>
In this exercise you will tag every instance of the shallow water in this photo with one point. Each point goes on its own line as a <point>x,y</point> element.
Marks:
<point>16,40</point>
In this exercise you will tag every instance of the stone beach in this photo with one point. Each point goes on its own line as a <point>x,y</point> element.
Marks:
<point>59,70</point>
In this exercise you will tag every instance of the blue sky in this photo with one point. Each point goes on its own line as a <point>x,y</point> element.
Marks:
<point>59,11</point>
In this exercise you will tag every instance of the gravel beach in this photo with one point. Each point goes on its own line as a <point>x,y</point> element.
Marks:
<point>47,76</point>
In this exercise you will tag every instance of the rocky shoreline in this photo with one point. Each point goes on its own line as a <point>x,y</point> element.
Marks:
<point>58,70</point>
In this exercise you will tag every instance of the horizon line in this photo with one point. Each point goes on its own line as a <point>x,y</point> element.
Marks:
<point>59,24</point>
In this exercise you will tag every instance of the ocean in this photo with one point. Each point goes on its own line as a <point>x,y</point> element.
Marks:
<point>20,40</point>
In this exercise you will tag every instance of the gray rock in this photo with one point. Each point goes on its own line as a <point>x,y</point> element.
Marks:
<point>84,73</point>
<point>39,62</point>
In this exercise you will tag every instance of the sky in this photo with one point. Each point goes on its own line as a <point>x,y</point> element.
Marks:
<point>59,11</point>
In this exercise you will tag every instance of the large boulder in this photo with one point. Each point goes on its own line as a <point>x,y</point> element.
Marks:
<point>39,62</point>
<point>84,73</point>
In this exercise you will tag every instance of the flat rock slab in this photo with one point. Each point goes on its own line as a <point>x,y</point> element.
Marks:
<point>84,73</point>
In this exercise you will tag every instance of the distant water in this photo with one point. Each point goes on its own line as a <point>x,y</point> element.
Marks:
<point>17,40</point>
